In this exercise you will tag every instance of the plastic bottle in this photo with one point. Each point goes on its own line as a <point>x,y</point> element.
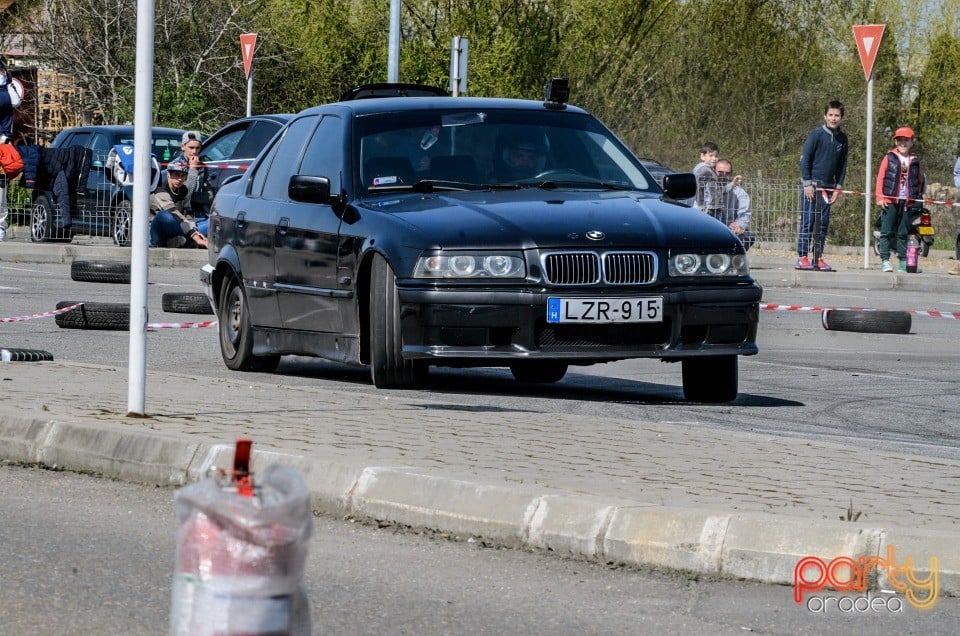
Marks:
<point>913,250</point>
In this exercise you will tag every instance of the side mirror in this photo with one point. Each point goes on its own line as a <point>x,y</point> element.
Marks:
<point>309,189</point>
<point>680,185</point>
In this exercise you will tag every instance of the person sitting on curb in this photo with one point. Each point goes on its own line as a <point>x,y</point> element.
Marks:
<point>172,223</point>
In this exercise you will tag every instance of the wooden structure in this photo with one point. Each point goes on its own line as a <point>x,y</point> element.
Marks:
<point>52,101</point>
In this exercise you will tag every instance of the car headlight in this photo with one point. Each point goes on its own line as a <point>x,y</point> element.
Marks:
<point>471,265</point>
<point>715,264</point>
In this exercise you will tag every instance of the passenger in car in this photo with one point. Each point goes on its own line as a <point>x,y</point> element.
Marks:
<point>172,224</point>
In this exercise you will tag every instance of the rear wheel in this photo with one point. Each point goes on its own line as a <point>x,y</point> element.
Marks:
<point>122,224</point>
<point>539,371</point>
<point>41,218</point>
<point>713,379</point>
<point>236,336</point>
<point>387,365</point>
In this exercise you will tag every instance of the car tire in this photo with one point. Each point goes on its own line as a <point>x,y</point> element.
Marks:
<point>538,371</point>
<point>100,271</point>
<point>122,226</point>
<point>41,219</point>
<point>236,336</point>
<point>711,379</point>
<point>193,303</point>
<point>25,355</point>
<point>895,322</point>
<point>98,316</point>
<point>388,368</point>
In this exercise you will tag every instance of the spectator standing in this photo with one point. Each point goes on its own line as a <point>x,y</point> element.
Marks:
<point>735,210</point>
<point>955,270</point>
<point>899,184</point>
<point>172,224</point>
<point>823,166</point>
<point>708,190</point>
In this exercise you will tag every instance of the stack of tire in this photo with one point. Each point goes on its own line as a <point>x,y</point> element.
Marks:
<point>116,316</point>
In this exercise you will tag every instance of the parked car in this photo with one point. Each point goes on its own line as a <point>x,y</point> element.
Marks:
<point>382,233</point>
<point>656,169</point>
<point>104,208</point>
<point>230,151</point>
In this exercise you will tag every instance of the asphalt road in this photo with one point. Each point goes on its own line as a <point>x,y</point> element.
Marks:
<point>878,391</point>
<point>89,556</point>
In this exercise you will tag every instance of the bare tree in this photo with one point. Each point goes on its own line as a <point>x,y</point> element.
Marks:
<point>196,50</point>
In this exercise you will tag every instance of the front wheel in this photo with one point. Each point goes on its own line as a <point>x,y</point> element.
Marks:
<point>387,366</point>
<point>236,336</point>
<point>710,379</point>
<point>41,219</point>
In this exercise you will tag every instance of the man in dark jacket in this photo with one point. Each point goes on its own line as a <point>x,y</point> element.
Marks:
<point>823,165</point>
<point>172,224</point>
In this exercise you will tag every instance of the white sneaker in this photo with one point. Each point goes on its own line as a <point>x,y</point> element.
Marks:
<point>3,235</point>
<point>885,266</point>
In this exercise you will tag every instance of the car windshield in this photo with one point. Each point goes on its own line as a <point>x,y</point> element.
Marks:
<point>163,147</point>
<point>455,149</point>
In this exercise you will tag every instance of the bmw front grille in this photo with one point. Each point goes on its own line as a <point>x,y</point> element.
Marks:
<point>591,268</point>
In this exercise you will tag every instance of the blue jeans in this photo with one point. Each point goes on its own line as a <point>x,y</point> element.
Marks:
<point>809,233</point>
<point>165,226</point>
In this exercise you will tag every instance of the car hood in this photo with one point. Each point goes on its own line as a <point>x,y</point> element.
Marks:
<point>547,219</point>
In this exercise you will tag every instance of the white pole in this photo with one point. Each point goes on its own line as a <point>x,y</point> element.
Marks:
<point>250,93</point>
<point>868,190</point>
<point>393,51</point>
<point>140,231</point>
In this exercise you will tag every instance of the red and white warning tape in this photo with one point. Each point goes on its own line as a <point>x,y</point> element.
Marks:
<point>948,202</point>
<point>181,325</point>
<point>46,314</point>
<point>950,315</point>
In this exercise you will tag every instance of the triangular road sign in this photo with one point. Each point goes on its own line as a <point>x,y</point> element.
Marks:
<point>248,42</point>
<point>868,38</point>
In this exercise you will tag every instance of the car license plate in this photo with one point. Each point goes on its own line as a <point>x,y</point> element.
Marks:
<point>604,310</point>
<point>925,229</point>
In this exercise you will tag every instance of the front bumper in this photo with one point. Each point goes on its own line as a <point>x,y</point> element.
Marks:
<point>484,325</point>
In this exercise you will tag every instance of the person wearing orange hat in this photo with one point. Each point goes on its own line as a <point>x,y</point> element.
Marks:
<point>900,183</point>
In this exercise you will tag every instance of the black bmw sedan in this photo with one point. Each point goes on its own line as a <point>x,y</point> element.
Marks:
<point>401,233</point>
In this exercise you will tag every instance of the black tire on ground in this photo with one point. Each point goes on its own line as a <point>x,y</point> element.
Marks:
<point>122,223</point>
<point>710,379</point>
<point>100,271</point>
<point>388,367</point>
<point>25,355</point>
<point>897,322</point>
<point>191,303</point>
<point>538,371</point>
<point>236,336</point>
<point>102,316</point>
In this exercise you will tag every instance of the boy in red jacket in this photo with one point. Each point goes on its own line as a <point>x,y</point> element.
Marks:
<point>900,183</point>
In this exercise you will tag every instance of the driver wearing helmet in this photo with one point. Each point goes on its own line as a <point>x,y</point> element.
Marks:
<point>524,156</point>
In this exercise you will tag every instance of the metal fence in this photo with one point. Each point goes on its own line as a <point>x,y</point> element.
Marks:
<point>775,208</point>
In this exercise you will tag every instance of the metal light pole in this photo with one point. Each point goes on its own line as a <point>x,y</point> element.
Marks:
<point>140,231</point>
<point>393,52</point>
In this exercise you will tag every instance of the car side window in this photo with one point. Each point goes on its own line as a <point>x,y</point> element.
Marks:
<point>324,154</point>
<point>223,147</point>
<point>99,145</point>
<point>286,158</point>
<point>256,138</point>
<point>77,139</point>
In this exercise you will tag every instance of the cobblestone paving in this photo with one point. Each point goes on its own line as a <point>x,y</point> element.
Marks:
<point>649,463</point>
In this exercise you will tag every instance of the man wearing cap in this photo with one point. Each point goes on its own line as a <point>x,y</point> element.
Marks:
<point>172,224</point>
<point>900,183</point>
<point>190,144</point>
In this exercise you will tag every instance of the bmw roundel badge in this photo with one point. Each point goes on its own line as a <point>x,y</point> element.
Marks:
<point>596,235</point>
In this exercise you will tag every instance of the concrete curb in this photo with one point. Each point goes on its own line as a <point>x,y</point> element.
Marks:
<point>757,547</point>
